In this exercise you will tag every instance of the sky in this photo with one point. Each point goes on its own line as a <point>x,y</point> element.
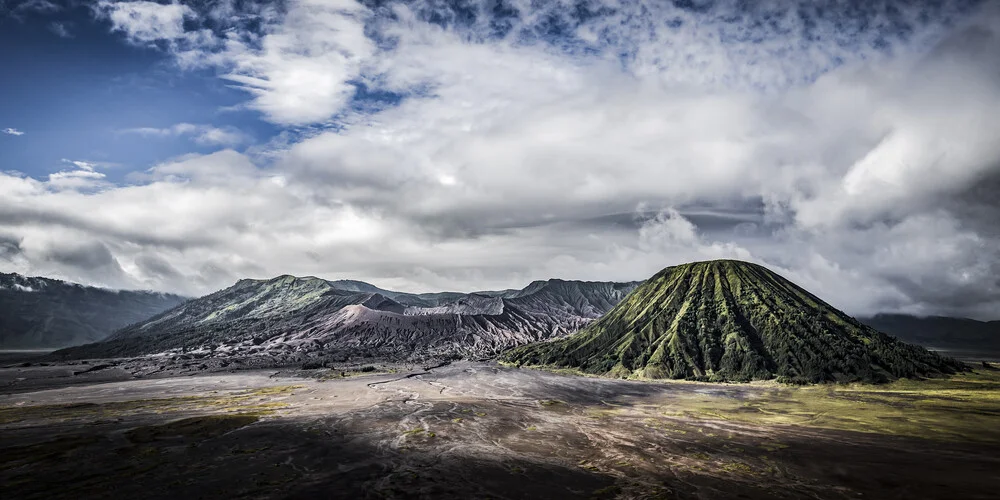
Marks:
<point>852,146</point>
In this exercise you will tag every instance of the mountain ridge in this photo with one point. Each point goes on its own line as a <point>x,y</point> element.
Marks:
<point>939,331</point>
<point>38,312</point>
<point>294,318</point>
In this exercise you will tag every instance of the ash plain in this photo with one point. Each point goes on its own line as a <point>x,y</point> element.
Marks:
<point>480,430</point>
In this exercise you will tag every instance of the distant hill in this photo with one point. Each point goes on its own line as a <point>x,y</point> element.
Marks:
<point>38,313</point>
<point>940,331</point>
<point>289,319</point>
<point>731,321</point>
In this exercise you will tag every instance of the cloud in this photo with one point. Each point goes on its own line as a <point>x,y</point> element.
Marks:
<point>81,178</point>
<point>39,6</point>
<point>82,165</point>
<point>61,29</point>
<point>304,62</point>
<point>12,131</point>
<point>144,21</point>
<point>300,70</point>
<point>205,135</point>
<point>852,150</point>
<point>19,8</point>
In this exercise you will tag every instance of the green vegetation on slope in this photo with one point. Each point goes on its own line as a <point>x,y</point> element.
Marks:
<point>732,321</point>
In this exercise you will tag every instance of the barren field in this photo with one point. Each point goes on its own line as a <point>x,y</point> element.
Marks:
<point>478,430</point>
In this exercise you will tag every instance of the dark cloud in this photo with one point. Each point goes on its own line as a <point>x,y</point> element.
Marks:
<point>86,257</point>
<point>9,247</point>
<point>157,267</point>
<point>19,216</point>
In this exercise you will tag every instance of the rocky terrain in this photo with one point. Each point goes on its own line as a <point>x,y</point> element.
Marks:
<point>38,313</point>
<point>732,321</point>
<point>289,320</point>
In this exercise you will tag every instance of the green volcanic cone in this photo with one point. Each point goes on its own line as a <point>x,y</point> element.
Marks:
<point>728,320</point>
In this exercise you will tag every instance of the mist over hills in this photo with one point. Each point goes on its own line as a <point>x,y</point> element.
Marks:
<point>289,319</point>
<point>732,321</point>
<point>940,331</point>
<point>37,313</point>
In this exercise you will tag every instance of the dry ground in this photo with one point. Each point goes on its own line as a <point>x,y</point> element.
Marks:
<point>478,430</point>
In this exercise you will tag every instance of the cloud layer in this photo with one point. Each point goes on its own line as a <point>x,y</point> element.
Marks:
<point>205,135</point>
<point>854,147</point>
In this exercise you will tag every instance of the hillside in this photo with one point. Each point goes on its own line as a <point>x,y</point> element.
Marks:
<point>39,313</point>
<point>731,321</point>
<point>289,319</point>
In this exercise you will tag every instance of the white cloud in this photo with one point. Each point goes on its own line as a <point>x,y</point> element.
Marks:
<point>81,179</point>
<point>299,71</point>
<point>205,135</point>
<point>82,165</point>
<point>75,179</point>
<point>60,29</point>
<point>19,9</point>
<point>145,21</point>
<point>12,131</point>
<point>220,137</point>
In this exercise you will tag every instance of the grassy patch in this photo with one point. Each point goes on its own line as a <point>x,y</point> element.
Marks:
<point>14,414</point>
<point>961,407</point>
<point>342,374</point>
<point>737,468</point>
<point>244,402</point>
<point>273,390</point>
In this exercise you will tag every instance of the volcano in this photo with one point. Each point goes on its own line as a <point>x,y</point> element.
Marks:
<point>734,321</point>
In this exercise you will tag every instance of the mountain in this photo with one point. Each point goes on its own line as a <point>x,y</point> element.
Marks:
<point>408,299</point>
<point>731,321</point>
<point>289,319</point>
<point>38,313</point>
<point>940,331</point>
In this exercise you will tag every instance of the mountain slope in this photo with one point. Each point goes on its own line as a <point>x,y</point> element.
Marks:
<point>561,298</point>
<point>731,321</point>
<point>247,299</point>
<point>38,313</point>
<point>289,319</point>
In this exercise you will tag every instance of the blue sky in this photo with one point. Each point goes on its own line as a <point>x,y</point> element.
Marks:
<point>81,85</point>
<point>76,95</point>
<point>428,145</point>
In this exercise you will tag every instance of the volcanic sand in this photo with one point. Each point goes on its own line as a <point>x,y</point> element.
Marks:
<point>479,430</point>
